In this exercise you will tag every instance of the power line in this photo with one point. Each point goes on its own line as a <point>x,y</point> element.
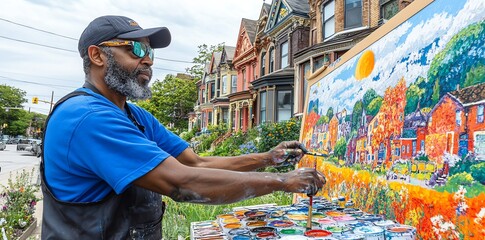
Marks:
<point>41,84</point>
<point>38,44</point>
<point>40,30</point>
<point>60,35</point>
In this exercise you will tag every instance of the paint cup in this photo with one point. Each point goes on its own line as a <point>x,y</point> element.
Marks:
<point>351,236</point>
<point>341,201</point>
<point>241,237</point>
<point>292,231</point>
<point>370,232</point>
<point>317,233</point>
<point>293,237</point>
<point>385,223</point>
<point>337,230</point>
<point>255,224</point>
<point>400,232</point>
<point>266,236</point>
<point>324,222</point>
<point>370,217</point>
<point>281,224</point>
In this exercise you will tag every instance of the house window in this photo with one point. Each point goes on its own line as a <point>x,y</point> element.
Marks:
<point>480,109</point>
<point>389,8</point>
<point>262,115</point>
<point>414,147</point>
<point>458,118</point>
<point>203,96</point>
<point>422,146</point>
<point>224,84</point>
<point>403,149</point>
<point>212,89</point>
<point>284,105</point>
<point>353,13</point>
<point>328,19</point>
<point>244,79</point>
<point>209,118</point>
<point>271,60</point>
<point>225,115</point>
<point>263,63</point>
<point>233,84</point>
<point>284,55</point>
<point>305,72</point>
<point>319,62</point>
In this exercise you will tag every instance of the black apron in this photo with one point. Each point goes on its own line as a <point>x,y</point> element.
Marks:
<point>134,214</point>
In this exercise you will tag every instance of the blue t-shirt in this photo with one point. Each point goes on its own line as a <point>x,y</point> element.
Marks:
<point>93,148</point>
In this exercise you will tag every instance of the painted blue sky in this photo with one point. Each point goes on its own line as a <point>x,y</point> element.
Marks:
<point>406,51</point>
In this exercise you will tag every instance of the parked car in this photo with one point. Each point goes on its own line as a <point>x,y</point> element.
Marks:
<point>26,144</point>
<point>3,145</point>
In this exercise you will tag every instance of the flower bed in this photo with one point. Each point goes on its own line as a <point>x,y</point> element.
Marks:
<point>18,202</point>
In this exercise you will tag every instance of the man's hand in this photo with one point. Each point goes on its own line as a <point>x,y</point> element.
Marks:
<point>304,180</point>
<point>286,153</point>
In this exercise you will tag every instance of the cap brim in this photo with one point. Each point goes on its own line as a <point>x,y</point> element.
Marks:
<point>159,37</point>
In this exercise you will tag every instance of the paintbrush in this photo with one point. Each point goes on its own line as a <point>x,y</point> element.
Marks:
<point>310,204</point>
<point>305,151</point>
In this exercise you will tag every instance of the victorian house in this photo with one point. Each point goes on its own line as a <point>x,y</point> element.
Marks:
<point>279,35</point>
<point>242,99</point>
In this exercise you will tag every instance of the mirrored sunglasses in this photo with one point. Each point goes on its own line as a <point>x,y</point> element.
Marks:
<point>138,48</point>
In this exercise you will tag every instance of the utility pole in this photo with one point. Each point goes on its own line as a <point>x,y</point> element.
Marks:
<point>52,101</point>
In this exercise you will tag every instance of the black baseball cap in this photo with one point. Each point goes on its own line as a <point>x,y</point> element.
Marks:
<point>109,27</point>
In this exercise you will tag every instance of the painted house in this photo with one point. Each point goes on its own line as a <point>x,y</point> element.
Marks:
<point>413,137</point>
<point>472,139</point>
<point>445,125</point>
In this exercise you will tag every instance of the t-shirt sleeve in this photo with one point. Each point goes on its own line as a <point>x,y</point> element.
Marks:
<point>113,149</point>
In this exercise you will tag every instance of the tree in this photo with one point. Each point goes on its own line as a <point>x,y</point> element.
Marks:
<point>12,121</point>
<point>172,100</point>
<point>413,94</point>
<point>390,118</point>
<point>369,96</point>
<point>340,148</point>
<point>476,75</point>
<point>374,106</point>
<point>357,115</point>
<point>329,113</point>
<point>436,93</point>
<point>205,55</point>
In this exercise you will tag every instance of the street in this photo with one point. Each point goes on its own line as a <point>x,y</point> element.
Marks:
<point>12,161</point>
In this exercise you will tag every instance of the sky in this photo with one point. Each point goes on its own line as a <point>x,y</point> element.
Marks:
<point>38,38</point>
<point>403,52</point>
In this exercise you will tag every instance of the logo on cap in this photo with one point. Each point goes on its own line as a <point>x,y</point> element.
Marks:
<point>133,23</point>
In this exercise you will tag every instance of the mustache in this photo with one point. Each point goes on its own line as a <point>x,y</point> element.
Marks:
<point>145,70</point>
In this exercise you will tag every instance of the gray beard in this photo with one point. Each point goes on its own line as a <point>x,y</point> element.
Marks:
<point>125,82</point>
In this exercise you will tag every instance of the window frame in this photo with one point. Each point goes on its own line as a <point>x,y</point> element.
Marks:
<point>350,13</point>
<point>284,55</point>
<point>326,20</point>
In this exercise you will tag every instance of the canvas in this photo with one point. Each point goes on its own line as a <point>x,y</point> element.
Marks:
<point>401,116</point>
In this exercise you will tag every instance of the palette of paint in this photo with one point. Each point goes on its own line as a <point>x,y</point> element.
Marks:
<point>329,220</point>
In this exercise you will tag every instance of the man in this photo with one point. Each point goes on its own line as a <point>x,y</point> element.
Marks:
<point>107,162</point>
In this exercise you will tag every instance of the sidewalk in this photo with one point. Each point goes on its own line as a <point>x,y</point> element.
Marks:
<point>38,207</point>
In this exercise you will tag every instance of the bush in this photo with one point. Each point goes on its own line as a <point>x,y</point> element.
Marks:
<point>478,172</point>
<point>463,179</point>
<point>271,134</point>
<point>18,204</point>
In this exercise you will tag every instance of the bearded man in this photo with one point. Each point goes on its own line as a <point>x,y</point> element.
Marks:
<point>106,163</point>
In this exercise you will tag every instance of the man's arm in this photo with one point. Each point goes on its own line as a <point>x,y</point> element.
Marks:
<point>215,186</point>
<point>289,152</point>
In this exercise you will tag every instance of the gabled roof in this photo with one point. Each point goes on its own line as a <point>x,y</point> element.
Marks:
<point>283,9</point>
<point>228,53</point>
<point>250,26</point>
<point>216,58</point>
<point>264,10</point>
<point>470,95</point>
<point>415,119</point>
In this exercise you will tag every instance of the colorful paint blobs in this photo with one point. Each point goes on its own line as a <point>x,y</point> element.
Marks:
<point>365,65</point>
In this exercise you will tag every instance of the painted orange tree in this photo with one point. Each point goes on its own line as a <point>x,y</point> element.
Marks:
<point>390,118</point>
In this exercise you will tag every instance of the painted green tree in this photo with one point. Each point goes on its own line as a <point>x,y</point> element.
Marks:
<point>464,53</point>
<point>413,94</point>
<point>476,75</point>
